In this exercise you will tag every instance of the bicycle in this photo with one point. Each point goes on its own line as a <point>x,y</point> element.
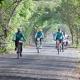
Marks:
<point>59,46</point>
<point>19,49</point>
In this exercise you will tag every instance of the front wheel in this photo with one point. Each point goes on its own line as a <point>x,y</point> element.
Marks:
<point>38,50</point>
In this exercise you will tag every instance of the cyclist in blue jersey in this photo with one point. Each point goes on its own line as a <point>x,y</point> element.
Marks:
<point>39,34</point>
<point>59,38</point>
<point>18,38</point>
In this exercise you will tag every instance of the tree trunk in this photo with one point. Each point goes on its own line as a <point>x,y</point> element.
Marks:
<point>71,31</point>
<point>77,38</point>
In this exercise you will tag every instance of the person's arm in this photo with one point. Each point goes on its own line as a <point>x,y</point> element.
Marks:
<point>63,37</point>
<point>36,35</point>
<point>23,37</point>
<point>55,35</point>
<point>42,35</point>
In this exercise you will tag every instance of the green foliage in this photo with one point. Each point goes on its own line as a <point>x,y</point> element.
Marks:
<point>68,13</point>
<point>31,14</point>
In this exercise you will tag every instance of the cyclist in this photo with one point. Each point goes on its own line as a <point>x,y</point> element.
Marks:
<point>59,38</point>
<point>66,40</point>
<point>18,37</point>
<point>39,34</point>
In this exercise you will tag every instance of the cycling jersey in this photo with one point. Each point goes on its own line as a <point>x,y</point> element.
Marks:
<point>18,37</point>
<point>59,36</point>
<point>39,35</point>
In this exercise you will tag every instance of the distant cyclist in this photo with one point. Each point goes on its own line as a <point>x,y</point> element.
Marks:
<point>59,38</point>
<point>18,37</point>
<point>39,34</point>
<point>66,40</point>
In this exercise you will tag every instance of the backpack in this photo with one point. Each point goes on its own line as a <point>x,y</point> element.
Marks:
<point>18,36</point>
<point>59,36</point>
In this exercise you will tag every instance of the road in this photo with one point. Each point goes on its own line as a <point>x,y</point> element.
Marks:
<point>47,65</point>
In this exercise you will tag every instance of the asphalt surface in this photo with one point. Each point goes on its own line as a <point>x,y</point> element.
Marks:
<point>46,65</point>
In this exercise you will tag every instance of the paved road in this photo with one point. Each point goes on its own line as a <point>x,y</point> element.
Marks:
<point>47,65</point>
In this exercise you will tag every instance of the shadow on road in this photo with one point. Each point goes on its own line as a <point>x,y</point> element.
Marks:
<point>22,78</point>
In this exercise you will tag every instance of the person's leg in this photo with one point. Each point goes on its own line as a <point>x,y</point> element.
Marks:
<point>21,48</point>
<point>41,42</point>
<point>17,49</point>
<point>66,43</point>
<point>36,42</point>
<point>16,45</point>
<point>62,45</point>
<point>57,44</point>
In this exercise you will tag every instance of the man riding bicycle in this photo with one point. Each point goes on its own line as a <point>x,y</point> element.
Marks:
<point>39,35</point>
<point>18,38</point>
<point>59,39</point>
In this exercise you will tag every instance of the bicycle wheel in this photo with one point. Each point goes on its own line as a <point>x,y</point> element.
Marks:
<point>18,51</point>
<point>58,46</point>
<point>38,46</point>
<point>58,51</point>
<point>62,47</point>
<point>38,50</point>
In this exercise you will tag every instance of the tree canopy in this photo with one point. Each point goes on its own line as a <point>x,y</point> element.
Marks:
<point>31,14</point>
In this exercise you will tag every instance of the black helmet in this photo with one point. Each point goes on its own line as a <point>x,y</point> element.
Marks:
<point>58,29</point>
<point>18,29</point>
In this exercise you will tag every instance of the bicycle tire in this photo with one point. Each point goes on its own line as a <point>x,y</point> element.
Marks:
<point>38,49</point>
<point>18,55</point>
<point>18,50</point>
<point>58,51</point>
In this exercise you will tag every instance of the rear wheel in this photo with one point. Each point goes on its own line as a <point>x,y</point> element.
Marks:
<point>19,50</point>
<point>58,51</point>
<point>59,47</point>
<point>38,47</point>
<point>38,50</point>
